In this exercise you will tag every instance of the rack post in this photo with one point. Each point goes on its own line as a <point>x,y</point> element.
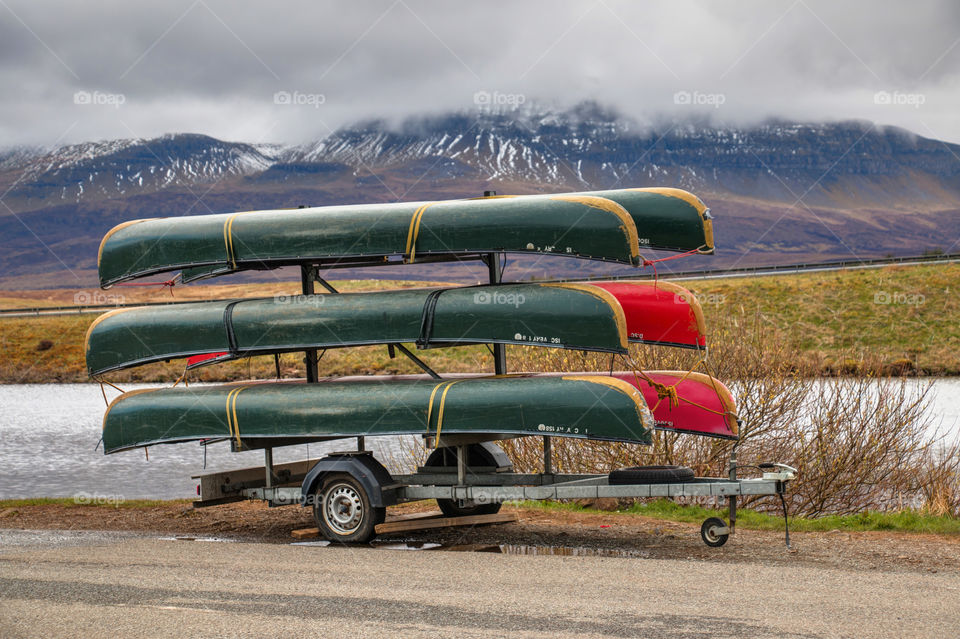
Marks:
<point>732,500</point>
<point>499,350</point>
<point>268,465</point>
<point>308,276</point>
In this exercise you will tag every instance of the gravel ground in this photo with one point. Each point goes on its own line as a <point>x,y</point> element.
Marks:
<point>537,531</point>
<point>101,584</point>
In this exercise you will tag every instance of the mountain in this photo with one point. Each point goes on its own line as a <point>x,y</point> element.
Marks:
<point>781,192</point>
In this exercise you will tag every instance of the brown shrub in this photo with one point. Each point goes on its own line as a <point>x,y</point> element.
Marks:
<point>859,443</point>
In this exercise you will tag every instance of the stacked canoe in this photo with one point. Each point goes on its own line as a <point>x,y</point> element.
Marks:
<point>598,316</point>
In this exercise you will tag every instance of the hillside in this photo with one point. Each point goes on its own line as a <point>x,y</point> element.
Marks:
<point>866,191</point>
<point>901,316</point>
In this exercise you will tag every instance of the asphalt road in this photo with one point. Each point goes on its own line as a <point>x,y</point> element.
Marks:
<point>56,584</point>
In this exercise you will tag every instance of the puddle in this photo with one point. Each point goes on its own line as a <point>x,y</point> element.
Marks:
<point>570,551</point>
<point>414,545</point>
<point>503,549</point>
<point>187,538</point>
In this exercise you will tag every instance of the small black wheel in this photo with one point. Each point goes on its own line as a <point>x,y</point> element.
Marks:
<point>711,538</point>
<point>343,512</point>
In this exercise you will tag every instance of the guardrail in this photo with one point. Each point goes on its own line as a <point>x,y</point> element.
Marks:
<point>702,274</point>
<point>79,310</point>
<point>947,258</point>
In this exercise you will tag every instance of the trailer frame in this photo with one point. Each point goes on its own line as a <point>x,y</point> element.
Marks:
<point>289,484</point>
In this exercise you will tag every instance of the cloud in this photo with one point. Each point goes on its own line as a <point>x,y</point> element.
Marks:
<point>216,67</point>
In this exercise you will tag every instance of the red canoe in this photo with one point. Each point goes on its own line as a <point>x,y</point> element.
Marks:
<point>659,312</point>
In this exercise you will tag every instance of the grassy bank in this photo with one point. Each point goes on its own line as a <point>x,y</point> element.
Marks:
<point>904,317</point>
<point>899,521</point>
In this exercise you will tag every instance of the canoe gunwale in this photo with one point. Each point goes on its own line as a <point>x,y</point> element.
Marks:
<point>271,350</point>
<point>689,347</point>
<point>681,431</point>
<point>302,439</point>
<point>224,346</point>
<point>358,260</point>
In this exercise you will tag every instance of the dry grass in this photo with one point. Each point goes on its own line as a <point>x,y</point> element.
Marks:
<point>902,316</point>
<point>860,442</point>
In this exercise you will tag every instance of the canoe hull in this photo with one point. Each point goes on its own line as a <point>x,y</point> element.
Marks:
<point>566,406</point>
<point>592,317</point>
<point>603,225</point>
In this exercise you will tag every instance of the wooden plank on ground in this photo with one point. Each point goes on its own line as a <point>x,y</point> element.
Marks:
<point>445,522</point>
<point>305,533</point>
<point>411,516</point>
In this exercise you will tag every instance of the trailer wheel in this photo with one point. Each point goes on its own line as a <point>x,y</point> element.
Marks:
<point>479,455</point>
<point>710,537</point>
<point>343,512</point>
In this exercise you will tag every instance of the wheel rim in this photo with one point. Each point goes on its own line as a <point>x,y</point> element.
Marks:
<point>711,536</point>
<point>343,509</point>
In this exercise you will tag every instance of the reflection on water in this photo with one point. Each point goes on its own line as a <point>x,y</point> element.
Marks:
<point>570,551</point>
<point>48,433</point>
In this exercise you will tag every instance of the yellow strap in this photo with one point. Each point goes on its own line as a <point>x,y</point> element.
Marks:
<point>228,241</point>
<point>414,231</point>
<point>233,425</point>
<point>430,404</point>
<point>111,385</point>
<point>181,378</point>
<point>443,399</point>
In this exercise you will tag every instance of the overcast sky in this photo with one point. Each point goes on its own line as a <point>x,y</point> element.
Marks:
<point>290,71</point>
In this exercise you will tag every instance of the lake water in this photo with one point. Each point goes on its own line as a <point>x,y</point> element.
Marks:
<point>48,448</point>
<point>49,434</point>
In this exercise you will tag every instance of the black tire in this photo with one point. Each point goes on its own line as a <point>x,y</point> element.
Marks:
<point>451,508</point>
<point>476,456</point>
<point>711,538</point>
<point>343,512</point>
<point>651,475</point>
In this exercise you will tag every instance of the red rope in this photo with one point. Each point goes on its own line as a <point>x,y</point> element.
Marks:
<point>653,263</point>
<point>171,283</point>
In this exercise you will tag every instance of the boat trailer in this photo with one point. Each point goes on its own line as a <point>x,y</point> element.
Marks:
<point>349,491</point>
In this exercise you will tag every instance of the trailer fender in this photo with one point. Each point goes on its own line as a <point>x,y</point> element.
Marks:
<point>371,474</point>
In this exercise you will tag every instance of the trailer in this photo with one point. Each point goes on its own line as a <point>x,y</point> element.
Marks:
<point>349,491</point>
<point>466,473</point>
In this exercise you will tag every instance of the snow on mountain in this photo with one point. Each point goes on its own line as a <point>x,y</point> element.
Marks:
<point>585,147</point>
<point>114,168</point>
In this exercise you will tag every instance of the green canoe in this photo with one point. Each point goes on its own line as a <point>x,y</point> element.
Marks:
<point>581,317</point>
<point>261,414</point>
<point>603,225</point>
